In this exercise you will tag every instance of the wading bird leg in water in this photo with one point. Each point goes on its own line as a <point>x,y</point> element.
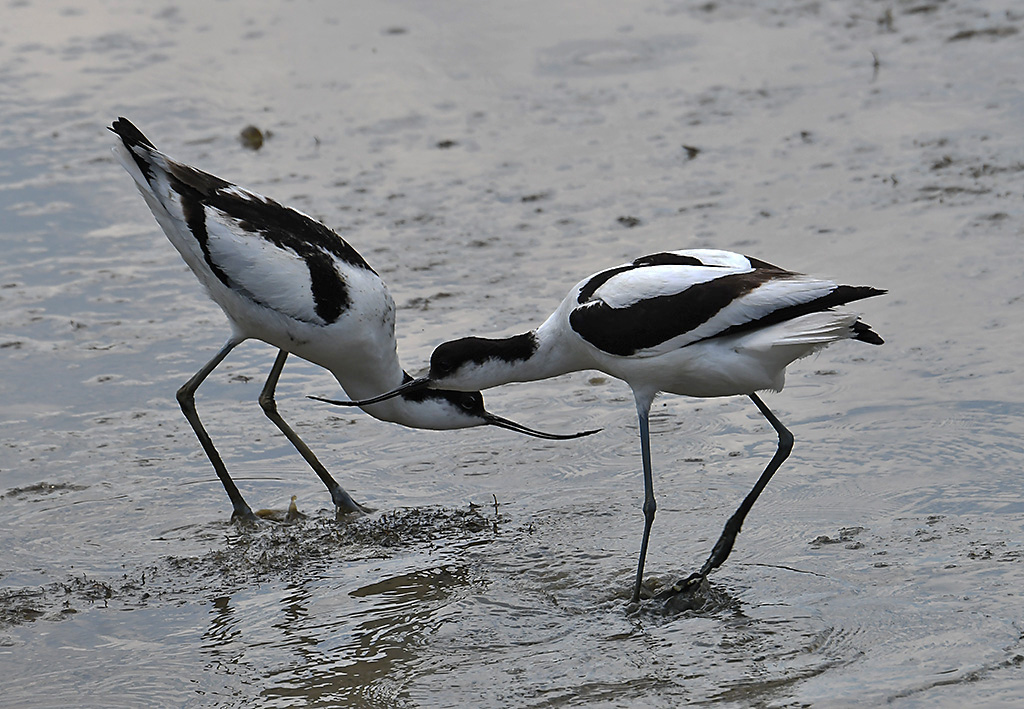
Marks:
<point>343,502</point>
<point>724,545</point>
<point>187,400</point>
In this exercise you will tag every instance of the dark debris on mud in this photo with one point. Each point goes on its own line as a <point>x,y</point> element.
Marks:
<point>249,555</point>
<point>406,526</point>
<point>60,600</point>
<point>41,489</point>
<point>271,551</point>
<point>708,599</point>
<point>847,536</point>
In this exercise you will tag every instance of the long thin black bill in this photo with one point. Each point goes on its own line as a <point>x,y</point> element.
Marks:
<point>411,385</point>
<point>520,428</point>
<point>489,418</point>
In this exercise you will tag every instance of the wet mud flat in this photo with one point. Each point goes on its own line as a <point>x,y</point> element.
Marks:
<point>283,545</point>
<point>483,160</point>
<point>399,606</point>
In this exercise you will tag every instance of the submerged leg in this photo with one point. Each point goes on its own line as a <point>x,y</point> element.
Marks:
<point>343,502</point>
<point>643,409</point>
<point>723,546</point>
<point>187,401</point>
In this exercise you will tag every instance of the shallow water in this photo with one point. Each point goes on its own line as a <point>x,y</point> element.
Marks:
<point>484,159</point>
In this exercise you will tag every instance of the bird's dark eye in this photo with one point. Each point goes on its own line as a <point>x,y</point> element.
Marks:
<point>471,402</point>
<point>445,358</point>
<point>440,365</point>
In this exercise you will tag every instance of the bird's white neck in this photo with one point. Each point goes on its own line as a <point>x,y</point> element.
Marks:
<point>370,378</point>
<point>363,382</point>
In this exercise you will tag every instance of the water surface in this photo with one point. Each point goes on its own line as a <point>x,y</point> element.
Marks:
<point>483,160</point>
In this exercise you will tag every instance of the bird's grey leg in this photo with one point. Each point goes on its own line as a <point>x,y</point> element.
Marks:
<point>650,505</point>
<point>724,545</point>
<point>343,502</point>
<point>187,401</point>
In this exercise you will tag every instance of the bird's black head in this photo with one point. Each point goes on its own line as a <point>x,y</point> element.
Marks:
<point>471,403</point>
<point>442,409</point>
<point>449,356</point>
<point>452,359</point>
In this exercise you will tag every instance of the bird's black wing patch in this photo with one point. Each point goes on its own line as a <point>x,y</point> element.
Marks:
<point>284,227</point>
<point>652,321</point>
<point>132,137</point>
<point>841,295</point>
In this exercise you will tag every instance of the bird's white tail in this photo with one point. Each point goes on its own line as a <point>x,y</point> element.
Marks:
<point>810,331</point>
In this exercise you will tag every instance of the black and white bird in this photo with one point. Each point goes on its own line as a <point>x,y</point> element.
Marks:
<point>696,322</point>
<point>286,279</point>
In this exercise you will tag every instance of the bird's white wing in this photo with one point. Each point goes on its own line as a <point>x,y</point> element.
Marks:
<point>749,307</point>
<point>636,285</point>
<point>269,272</point>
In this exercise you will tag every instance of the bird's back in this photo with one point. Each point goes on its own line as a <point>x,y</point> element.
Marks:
<point>706,322</point>
<point>278,274</point>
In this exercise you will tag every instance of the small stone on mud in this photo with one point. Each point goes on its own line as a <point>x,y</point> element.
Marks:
<point>251,137</point>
